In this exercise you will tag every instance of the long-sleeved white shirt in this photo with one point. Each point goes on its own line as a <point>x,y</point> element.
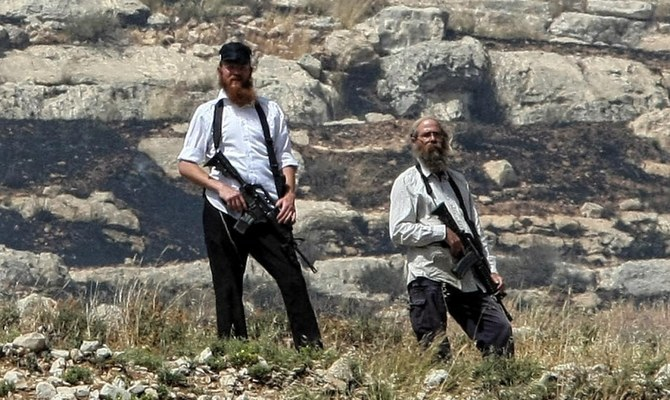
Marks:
<point>242,142</point>
<point>412,225</point>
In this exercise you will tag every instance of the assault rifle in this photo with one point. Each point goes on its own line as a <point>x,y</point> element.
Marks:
<point>473,258</point>
<point>260,208</point>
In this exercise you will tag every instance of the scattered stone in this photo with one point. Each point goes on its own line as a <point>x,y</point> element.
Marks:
<point>592,210</point>
<point>34,342</point>
<point>501,172</point>
<point>435,378</point>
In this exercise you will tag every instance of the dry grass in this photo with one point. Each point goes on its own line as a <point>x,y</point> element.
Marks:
<point>610,354</point>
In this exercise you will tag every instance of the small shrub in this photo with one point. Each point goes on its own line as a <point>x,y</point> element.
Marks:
<point>243,357</point>
<point>142,357</point>
<point>171,379</point>
<point>238,353</point>
<point>70,323</point>
<point>290,359</point>
<point>93,28</point>
<point>9,317</point>
<point>260,371</point>
<point>75,375</point>
<point>651,366</point>
<point>217,363</point>
<point>163,392</point>
<point>496,371</point>
<point>5,388</point>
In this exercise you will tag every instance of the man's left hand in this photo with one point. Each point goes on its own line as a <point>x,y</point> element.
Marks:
<point>286,205</point>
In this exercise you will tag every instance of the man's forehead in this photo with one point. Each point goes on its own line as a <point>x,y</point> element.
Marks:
<point>429,123</point>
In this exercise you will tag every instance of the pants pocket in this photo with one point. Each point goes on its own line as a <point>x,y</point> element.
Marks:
<point>427,310</point>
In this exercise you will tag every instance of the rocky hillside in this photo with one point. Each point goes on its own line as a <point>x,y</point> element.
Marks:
<point>559,112</point>
<point>560,117</point>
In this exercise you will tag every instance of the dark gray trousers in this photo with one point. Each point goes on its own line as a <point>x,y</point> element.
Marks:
<point>480,316</point>
<point>228,251</point>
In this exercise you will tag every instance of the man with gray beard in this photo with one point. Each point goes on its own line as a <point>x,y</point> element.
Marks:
<point>433,249</point>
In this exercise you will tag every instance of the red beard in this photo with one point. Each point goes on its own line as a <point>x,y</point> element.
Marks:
<point>241,94</point>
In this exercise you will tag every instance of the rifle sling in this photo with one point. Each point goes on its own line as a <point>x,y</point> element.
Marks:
<point>458,194</point>
<point>269,144</point>
<point>461,203</point>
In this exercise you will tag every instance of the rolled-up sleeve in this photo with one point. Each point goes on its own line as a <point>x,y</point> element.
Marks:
<point>198,136</point>
<point>405,226</point>
<point>282,141</point>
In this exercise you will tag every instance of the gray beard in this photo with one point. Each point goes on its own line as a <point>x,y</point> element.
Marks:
<point>435,160</point>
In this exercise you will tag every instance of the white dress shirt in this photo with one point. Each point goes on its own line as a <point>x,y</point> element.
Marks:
<point>412,225</point>
<point>242,142</point>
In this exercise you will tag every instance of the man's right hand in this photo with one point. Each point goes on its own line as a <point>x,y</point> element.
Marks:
<point>196,174</point>
<point>455,245</point>
<point>232,198</point>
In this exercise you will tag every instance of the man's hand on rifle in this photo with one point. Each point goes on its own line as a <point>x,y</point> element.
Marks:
<point>455,244</point>
<point>498,280</point>
<point>286,205</point>
<point>232,197</point>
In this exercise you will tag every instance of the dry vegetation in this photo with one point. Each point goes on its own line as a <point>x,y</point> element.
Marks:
<point>562,352</point>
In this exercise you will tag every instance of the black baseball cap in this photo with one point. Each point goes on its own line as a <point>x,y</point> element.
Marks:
<point>236,53</point>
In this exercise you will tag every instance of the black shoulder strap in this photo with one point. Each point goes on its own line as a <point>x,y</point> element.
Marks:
<point>274,166</point>
<point>461,203</point>
<point>424,178</point>
<point>216,124</point>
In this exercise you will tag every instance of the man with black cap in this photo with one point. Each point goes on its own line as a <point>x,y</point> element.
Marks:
<point>254,138</point>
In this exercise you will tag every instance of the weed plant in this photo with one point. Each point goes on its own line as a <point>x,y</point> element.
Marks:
<point>5,388</point>
<point>78,375</point>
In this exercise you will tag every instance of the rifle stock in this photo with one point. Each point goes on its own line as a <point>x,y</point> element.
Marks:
<point>473,258</point>
<point>260,207</point>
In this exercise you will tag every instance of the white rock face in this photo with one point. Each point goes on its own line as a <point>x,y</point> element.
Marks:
<point>541,87</point>
<point>63,10</point>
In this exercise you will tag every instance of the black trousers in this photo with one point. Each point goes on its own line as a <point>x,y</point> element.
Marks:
<point>479,315</point>
<point>228,251</point>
